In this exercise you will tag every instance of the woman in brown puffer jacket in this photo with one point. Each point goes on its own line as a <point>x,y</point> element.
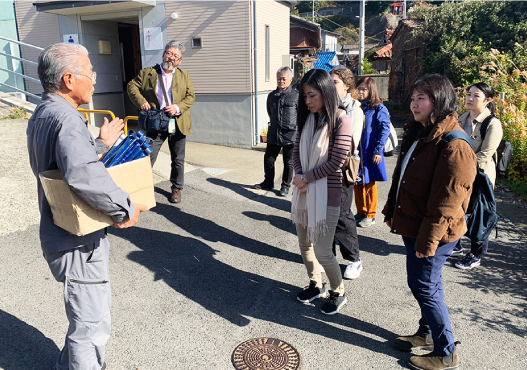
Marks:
<point>431,187</point>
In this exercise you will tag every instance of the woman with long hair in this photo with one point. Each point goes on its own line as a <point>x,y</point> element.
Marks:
<point>431,187</point>
<point>371,150</point>
<point>346,232</point>
<point>321,146</point>
<point>485,142</point>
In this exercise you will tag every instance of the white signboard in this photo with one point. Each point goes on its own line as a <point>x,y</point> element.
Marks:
<point>153,38</point>
<point>72,38</point>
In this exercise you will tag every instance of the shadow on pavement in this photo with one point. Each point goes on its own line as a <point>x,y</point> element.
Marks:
<point>503,272</point>
<point>212,232</point>
<point>282,204</point>
<point>23,347</point>
<point>279,222</point>
<point>379,246</point>
<point>190,267</point>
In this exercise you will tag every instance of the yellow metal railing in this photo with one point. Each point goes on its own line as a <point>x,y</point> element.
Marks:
<point>86,111</point>
<point>109,112</point>
<point>125,120</point>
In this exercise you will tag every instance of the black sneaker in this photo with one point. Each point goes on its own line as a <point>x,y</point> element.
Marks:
<point>263,186</point>
<point>284,190</point>
<point>468,262</point>
<point>458,251</point>
<point>310,293</point>
<point>333,303</point>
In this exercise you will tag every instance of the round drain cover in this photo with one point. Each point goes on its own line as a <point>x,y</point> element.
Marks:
<point>265,354</point>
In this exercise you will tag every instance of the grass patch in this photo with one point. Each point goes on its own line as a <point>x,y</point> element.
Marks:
<point>15,112</point>
<point>518,188</point>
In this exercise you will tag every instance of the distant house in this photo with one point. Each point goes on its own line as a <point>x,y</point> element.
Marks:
<point>381,60</point>
<point>233,50</point>
<point>353,49</point>
<point>405,67</point>
<point>329,41</point>
<point>305,36</point>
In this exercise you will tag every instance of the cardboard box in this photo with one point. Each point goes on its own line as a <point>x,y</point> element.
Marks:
<point>74,215</point>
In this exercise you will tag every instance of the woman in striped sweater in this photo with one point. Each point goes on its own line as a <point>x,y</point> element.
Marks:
<point>321,146</point>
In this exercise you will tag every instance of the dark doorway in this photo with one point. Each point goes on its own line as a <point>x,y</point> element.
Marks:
<point>131,61</point>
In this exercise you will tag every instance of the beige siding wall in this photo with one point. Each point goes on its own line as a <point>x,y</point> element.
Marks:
<point>276,16</point>
<point>39,29</point>
<point>223,64</point>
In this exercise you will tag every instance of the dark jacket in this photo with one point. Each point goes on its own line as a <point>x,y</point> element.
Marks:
<point>142,89</point>
<point>281,108</point>
<point>435,188</point>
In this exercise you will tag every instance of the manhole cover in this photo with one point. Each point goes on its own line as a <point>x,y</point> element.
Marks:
<point>265,354</point>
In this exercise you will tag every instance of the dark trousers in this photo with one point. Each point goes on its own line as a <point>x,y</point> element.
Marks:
<point>176,144</point>
<point>477,249</point>
<point>346,232</point>
<point>271,152</point>
<point>425,282</point>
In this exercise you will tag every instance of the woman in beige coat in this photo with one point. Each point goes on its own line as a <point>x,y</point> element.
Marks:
<point>480,108</point>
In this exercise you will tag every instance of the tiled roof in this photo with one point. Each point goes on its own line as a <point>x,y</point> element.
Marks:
<point>384,52</point>
<point>324,60</point>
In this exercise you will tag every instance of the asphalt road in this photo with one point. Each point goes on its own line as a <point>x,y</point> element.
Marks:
<point>192,281</point>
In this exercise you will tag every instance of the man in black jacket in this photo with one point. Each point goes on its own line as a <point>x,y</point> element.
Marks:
<point>281,107</point>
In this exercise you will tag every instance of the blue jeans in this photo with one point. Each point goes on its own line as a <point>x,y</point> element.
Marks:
<point>424,280</point>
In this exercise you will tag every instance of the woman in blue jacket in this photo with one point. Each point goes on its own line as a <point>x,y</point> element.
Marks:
<point>374,135</point>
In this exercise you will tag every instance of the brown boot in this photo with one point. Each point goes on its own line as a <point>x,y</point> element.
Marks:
<point>176,196</point>
<point>433,361</point>
<point>416,341</point>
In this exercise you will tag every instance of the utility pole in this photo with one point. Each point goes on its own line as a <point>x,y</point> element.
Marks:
<point>404,9</point>
<point>361,34</point>
<point>313,11</point>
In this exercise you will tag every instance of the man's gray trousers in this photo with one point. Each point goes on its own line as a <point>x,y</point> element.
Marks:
<point>87,297</point>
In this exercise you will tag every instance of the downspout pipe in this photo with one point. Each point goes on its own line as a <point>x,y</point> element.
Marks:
<point>255,76</point>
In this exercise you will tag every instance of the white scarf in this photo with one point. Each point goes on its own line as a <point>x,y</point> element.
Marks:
<point>309,209</point>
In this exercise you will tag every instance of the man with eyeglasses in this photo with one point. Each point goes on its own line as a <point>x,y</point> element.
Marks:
<point>57,138</point>
<point>146,92</point>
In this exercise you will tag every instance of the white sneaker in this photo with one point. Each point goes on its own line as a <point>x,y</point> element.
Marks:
<point>353,270</point>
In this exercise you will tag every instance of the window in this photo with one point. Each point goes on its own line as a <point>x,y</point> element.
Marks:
<point>267,55</point>
<point>196,43</point>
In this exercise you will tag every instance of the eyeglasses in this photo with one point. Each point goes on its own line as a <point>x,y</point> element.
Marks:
<point>93,76</point>
<point>171,54</point>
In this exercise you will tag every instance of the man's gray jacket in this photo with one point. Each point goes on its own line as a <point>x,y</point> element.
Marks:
<point>281,107</point>
<point>57,137</point>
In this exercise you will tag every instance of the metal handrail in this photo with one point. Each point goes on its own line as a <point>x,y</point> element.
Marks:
<point>17,58</point>
<point>86,111</point>
<point>21,43</point>
<point>125,120</point>
<point>11,41</point>
<point>20,90</point>
<point>19,74</point>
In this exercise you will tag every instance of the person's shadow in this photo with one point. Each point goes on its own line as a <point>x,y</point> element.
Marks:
<point>280,203</point>
<point>210,231</point>
<point>189,266</point>
<point>23,347</point>
<point>279,222</point>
